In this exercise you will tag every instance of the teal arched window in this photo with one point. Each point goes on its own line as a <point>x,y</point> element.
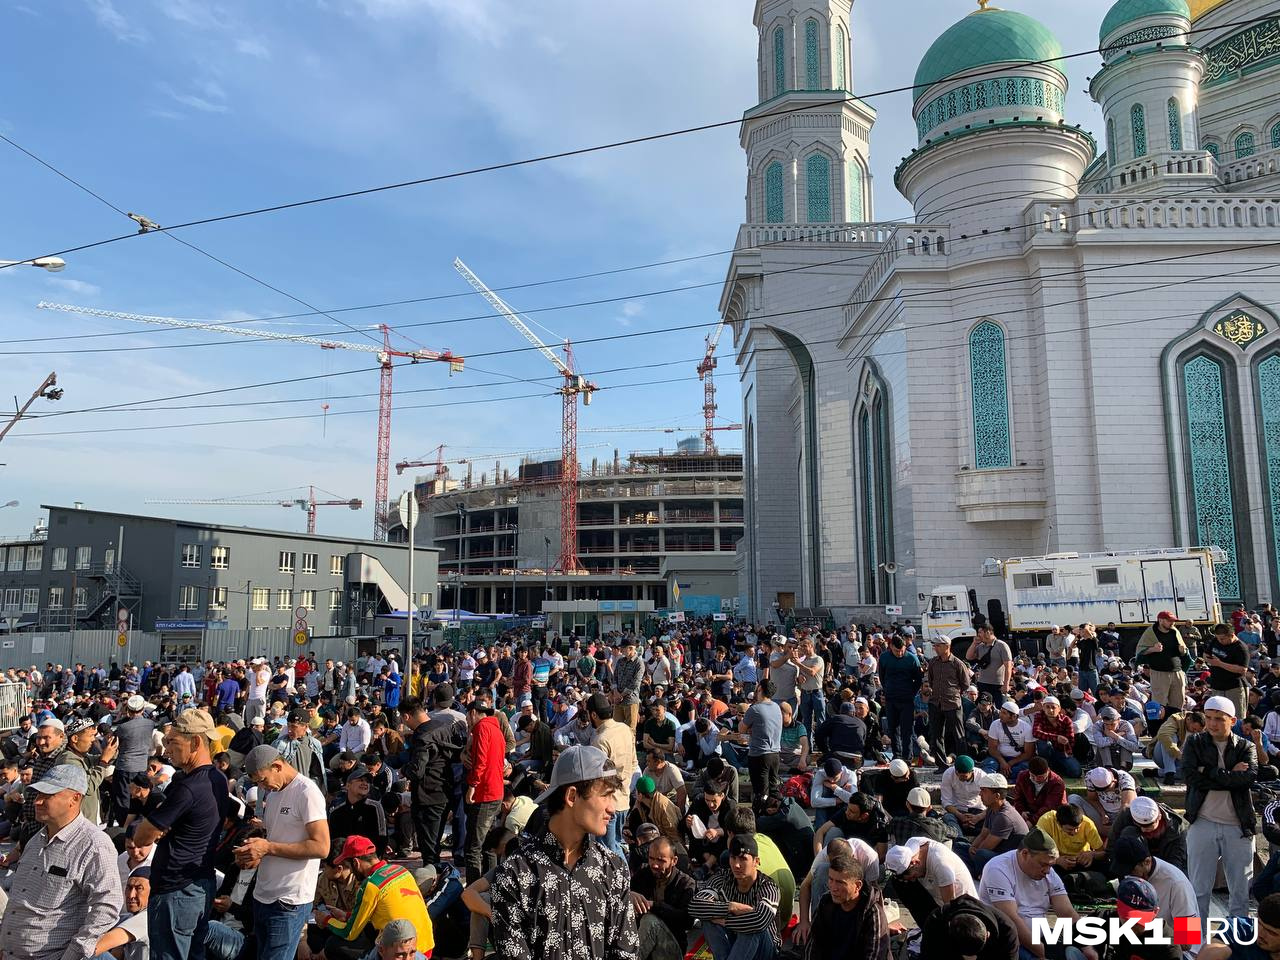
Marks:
<point>818,184</point>
<point>1211,149</point>
<point>842,44</point>
<point>779,61</point>
<point>1275,137</point>
<point>1175,125</point>
<point>989,388</point>
<point>856,207</point>
<point>1112,157</point>
<point>1244,145</point>
<point>1138,121</point>
<point>811,55</point>
<point>775,210</point>
<point>1269,406</point>
<point>1212,502</point>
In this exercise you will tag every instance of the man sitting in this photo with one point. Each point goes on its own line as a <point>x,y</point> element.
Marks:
<point>967,927</point>
<point>961,802</point>
<point>1038,790</point>
<point>1109,792</point>
<point>1162,829</point>
<point>739,904</point>
<point>1002,828</point>
<point>1079,844</point>
<point>661,896</point>
<point>921,821</point>
<point>1113,740</point>
<point>850,922</point>
<point>926,875</point>
<point>128,939</point>
<point>832,787</point>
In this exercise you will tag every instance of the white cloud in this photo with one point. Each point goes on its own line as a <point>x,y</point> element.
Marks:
<point>105,12</point>
<point>209,99</point>
<point>630,310</point>
<point>482,19</point>
<point>75,286</point>
<point>253,47</point>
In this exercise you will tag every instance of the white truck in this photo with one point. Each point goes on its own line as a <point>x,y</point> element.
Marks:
<point>1127,588</point>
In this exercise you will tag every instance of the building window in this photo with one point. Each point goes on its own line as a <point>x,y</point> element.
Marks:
<point>109,560</point>
<point>811,55</point>
<point>15,559</point>
<point>218,598</point>
<point>1244,145</point>
<point>12,600</point>
<point>335,600</point>
<point>774,208</point>
<point>31,600</point>
<point>191,555</point>
<point>1211,149</point>
<point>1138,121</point>
<point>35,557</point>
<point>219,558</point>
<point>1112,157</point>
<point>1175,125</point>
<point>1212,502</point>
<point>80,599</point>
<point>284,599</point>
<point>59,559</point>
<point>188,597</point>
<point>856,209</point>
<point>307,599</point>
<point>818,183</point>
<point>335,564</point>
<point>84,558</point>
<point>286,561</point>
<point>841,79</point>
<point>55,598</point>
<point>261,598</point>
<point>989,386</point>
<point>779,62</point>
<point>1275,137</point>
<point>310,561</point>
<point>1269,404</point>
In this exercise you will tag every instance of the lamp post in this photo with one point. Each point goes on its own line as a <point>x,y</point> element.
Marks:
<point>52,264</point>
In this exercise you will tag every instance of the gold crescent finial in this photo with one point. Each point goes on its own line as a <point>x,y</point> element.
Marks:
<point>982,4</point>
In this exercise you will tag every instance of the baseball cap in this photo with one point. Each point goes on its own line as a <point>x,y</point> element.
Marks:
<point>1165,615</point>
<point>1137,900</point>
<point>919,797</point>
<point>298,715</point>
<point>1144,811</point>
<point>260,757</point>
<point>1037,841</point>
<point>578,764</point>
<point>743,843</point>
<point>898,860</point>
<point>357,772</point>
<point>1221,703</point>
<point>899,768</point>
<point>1011,706</point>
<point>195,723</point>
<point>1099,778</point>
<point>993,781</point>
<point>62,776</point>
<point>964,763</point>
<point>1129,851</point>
<point>1109,713</point>
<point>356,846</point>
<point>941,638</point>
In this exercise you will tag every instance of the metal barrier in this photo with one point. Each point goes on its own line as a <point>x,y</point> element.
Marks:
<point>13,704</point>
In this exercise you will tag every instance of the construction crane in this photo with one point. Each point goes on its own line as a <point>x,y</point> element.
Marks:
<point>384,354</point>
<point>438,463</point>
<point>717,429</point>
<point>706,371</point>
<point>442,466</point>
<point>575,386</point>
<point>309,504</point>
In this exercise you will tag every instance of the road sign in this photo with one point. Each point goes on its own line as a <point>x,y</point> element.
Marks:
<point>300,613</point>
<point>300,638</point>
<point>408,506</point>
<point>300,625</point>
<point>893,611</point>
<point>122,640</point>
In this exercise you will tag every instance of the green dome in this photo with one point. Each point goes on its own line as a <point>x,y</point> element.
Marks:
<point>1127,11</point>
<point>983,38</point>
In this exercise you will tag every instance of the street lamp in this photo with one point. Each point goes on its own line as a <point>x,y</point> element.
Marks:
<point>52,264</point>
<point>11,503</point>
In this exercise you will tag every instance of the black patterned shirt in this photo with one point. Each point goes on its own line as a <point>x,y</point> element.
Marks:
<point>544,911</point>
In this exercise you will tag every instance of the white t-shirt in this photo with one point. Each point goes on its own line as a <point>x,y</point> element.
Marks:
<point>1003,881</point>
<point>1020,732</point>
<point>286,816</point>
<point>258,688</point>
<point>942,868</point>
<point>122,862</point>
<point>1110,798</point>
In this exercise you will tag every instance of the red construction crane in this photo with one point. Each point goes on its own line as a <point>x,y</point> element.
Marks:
<point>309,504</point>
<point>384,354</point>
<point>706,374</point>
<point>438,463</point>
<point>575,385</point>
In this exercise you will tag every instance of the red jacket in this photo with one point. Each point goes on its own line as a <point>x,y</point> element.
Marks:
<point>488,757</point>
<point>1031,804</point>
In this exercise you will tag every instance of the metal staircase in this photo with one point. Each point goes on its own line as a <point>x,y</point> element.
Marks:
<point>108,587</point>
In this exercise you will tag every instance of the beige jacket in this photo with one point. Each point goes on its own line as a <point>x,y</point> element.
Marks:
<point>618,741</point>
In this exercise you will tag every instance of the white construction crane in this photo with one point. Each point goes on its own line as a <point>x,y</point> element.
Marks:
<point>384,354</point>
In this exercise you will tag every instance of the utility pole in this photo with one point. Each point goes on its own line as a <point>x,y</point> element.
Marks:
<point>515,561</point>
<point>48,389</point>
<point>248,604</point>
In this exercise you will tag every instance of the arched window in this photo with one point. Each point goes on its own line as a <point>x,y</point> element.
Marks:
<point>1275,137</point>
<point>1211,149</point>
<point>1112,157</point>
<point>989,386</point>
<point>779,62</point>
<point>1212,503</point>
<point>867,498</point>
<point>811,72</point>
<point>774,209</point>
<point>818,183</point>
<point>1244,145</point>
<point>856,208</point>
<point>875,497</point>
<point>1138,121</point>
<point>842,44</point>
<point>1175,125</point>
<point>1269,406</point>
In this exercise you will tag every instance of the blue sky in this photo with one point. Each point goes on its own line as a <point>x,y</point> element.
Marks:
<point>180,109</point>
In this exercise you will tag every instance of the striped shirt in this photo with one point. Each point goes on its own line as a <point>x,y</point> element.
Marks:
<point>65,894</point>
<point>712,900</point>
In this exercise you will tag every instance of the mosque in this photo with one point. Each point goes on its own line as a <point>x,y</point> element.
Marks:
<point>1073,344</point>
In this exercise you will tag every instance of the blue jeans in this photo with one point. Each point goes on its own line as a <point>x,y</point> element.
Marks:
<point>222,942</point>
<point>1088,680</point>
<point>1209,842</point>
<point>813,708</point>
<point>1063,764</point>
<point>613,836</point>
<point>177,921</point>
<point>278,927</point>
<point>727,945</point>
<point>1166,763</point>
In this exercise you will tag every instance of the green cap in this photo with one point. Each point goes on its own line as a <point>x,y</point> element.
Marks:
<point>1037,841</point>
<point>646,786</point>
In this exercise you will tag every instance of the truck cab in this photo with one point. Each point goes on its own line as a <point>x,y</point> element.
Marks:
<point>950,614</point>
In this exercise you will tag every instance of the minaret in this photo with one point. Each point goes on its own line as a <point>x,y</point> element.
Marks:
<point>807,165</point>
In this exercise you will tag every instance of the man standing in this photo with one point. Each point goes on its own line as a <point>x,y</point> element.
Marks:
<point>1228,662</point>
<point>900,676</point>
<point>628,674</point>
<point>618,743</point>
<point>486,758</point>
<point>948,679</point>
<point>288,857</point>
<point>561,897</point>
<point>812,673</point>
<point>256,703</point>
<point>185,822</point>
<point>1162,650</point>
<point>1219,766</point>
<point>762,724</point>
<point>65,893</point>
<point>992,663</point>
<point>434,744</point>
<point>739,906</point>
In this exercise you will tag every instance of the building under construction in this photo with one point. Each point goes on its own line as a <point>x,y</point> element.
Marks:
<point>656,528</point>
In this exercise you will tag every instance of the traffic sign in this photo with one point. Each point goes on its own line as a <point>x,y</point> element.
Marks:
<point>122,640</point>
<point>892,611</point>
<point>301,638</point>
<point>300,614</point>
<point>300,625</point>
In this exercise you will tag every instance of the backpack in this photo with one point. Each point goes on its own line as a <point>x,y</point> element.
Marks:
<point>797,787</point>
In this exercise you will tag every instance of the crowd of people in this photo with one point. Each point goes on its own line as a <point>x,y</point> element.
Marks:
<point>749,791</point>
